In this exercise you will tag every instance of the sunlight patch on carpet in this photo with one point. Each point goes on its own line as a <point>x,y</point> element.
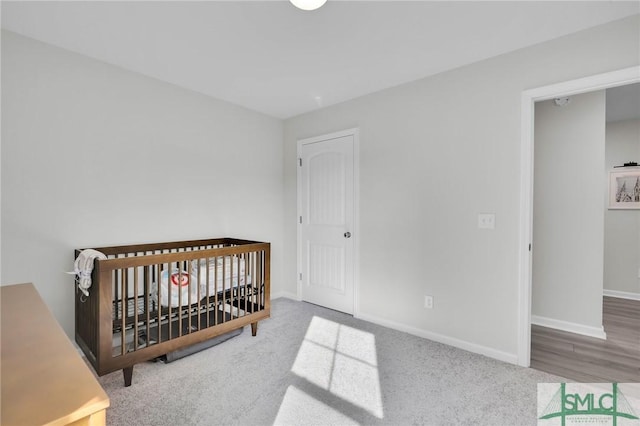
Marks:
<point>343,361</point>
<point>299,408</point>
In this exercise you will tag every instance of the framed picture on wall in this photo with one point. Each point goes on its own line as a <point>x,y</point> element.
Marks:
<point>624,189</point>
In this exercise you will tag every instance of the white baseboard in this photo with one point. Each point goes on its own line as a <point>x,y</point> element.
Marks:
<point>622,294</point>
<point>285,294</point>
<point>571,327</point>
<point>440,338</point>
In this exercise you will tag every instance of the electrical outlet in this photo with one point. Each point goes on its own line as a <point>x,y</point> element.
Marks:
<point>428,302</point>
<point>486,221</point>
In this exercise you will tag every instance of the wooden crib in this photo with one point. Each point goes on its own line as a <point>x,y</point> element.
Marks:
<point>148,300</point>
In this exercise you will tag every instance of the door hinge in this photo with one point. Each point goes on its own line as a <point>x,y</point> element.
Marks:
<point>300,276</point>
<point>529,246</point>
<point>300,219</point>
<point>300,161</point>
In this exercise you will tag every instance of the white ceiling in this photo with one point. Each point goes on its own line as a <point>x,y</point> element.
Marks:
<point>270,57</point>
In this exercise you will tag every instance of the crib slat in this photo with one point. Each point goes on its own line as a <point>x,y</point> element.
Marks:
<point>147,289</point>
<point>158,272</point>
<point>135,308</point>
<point>188,304</point>
<point>247,277</point>
<point>249,293</point>
<point>179,290</point>
<point>199,291</point>
<point>242,278</point>
<point>231,288</point>
<point>169,298</point>
<point>259,274</point>
<point>235,272</point>
<point>206,290</point>
<point>202,295</point>
<point>230,278</point>
<point>193,308</point>
<point>117,296</point>
<point>240,286</point>
<point>250,276</point>
<point>228,293</point>
<point>123,303</point>
<point>189,301</point>
<point>215,290</point>
<point>254,280</point>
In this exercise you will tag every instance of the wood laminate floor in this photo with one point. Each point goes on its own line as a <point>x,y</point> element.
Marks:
<point>588,359</point>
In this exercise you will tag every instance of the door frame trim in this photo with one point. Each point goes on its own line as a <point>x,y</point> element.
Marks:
<point>355,132</point>
<point>529,97</point>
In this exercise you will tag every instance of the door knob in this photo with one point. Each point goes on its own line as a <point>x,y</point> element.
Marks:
<point>347,234</point>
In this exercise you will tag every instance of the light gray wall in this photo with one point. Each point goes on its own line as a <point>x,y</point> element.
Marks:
<point>622,227</point>
<point>568,231</point>
<point>434,153</point>
<point>94,155</point>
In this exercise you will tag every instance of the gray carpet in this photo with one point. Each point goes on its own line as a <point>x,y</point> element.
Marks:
<point>314,366</point>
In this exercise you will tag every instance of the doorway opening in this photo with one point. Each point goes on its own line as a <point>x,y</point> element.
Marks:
<point>529,97</point>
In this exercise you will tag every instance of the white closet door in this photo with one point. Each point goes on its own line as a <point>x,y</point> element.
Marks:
<point>326,221</point>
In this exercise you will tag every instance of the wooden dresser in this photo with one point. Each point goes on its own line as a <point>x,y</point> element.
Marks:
<point>43,378</point>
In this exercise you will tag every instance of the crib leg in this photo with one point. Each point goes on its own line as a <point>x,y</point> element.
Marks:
<point>254,328</point>
<point>127,372</point>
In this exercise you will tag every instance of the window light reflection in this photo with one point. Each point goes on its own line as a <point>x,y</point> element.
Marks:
<point>299,407</point>
<point>343,361</point>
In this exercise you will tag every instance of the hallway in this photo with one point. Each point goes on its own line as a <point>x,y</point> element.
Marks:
<point>590,360</point>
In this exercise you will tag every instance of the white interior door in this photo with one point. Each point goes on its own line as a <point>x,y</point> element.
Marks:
<point>326,221</point>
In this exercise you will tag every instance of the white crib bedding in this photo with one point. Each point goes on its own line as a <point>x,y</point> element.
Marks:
<point>223,273</point>
<point>184,288</point>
